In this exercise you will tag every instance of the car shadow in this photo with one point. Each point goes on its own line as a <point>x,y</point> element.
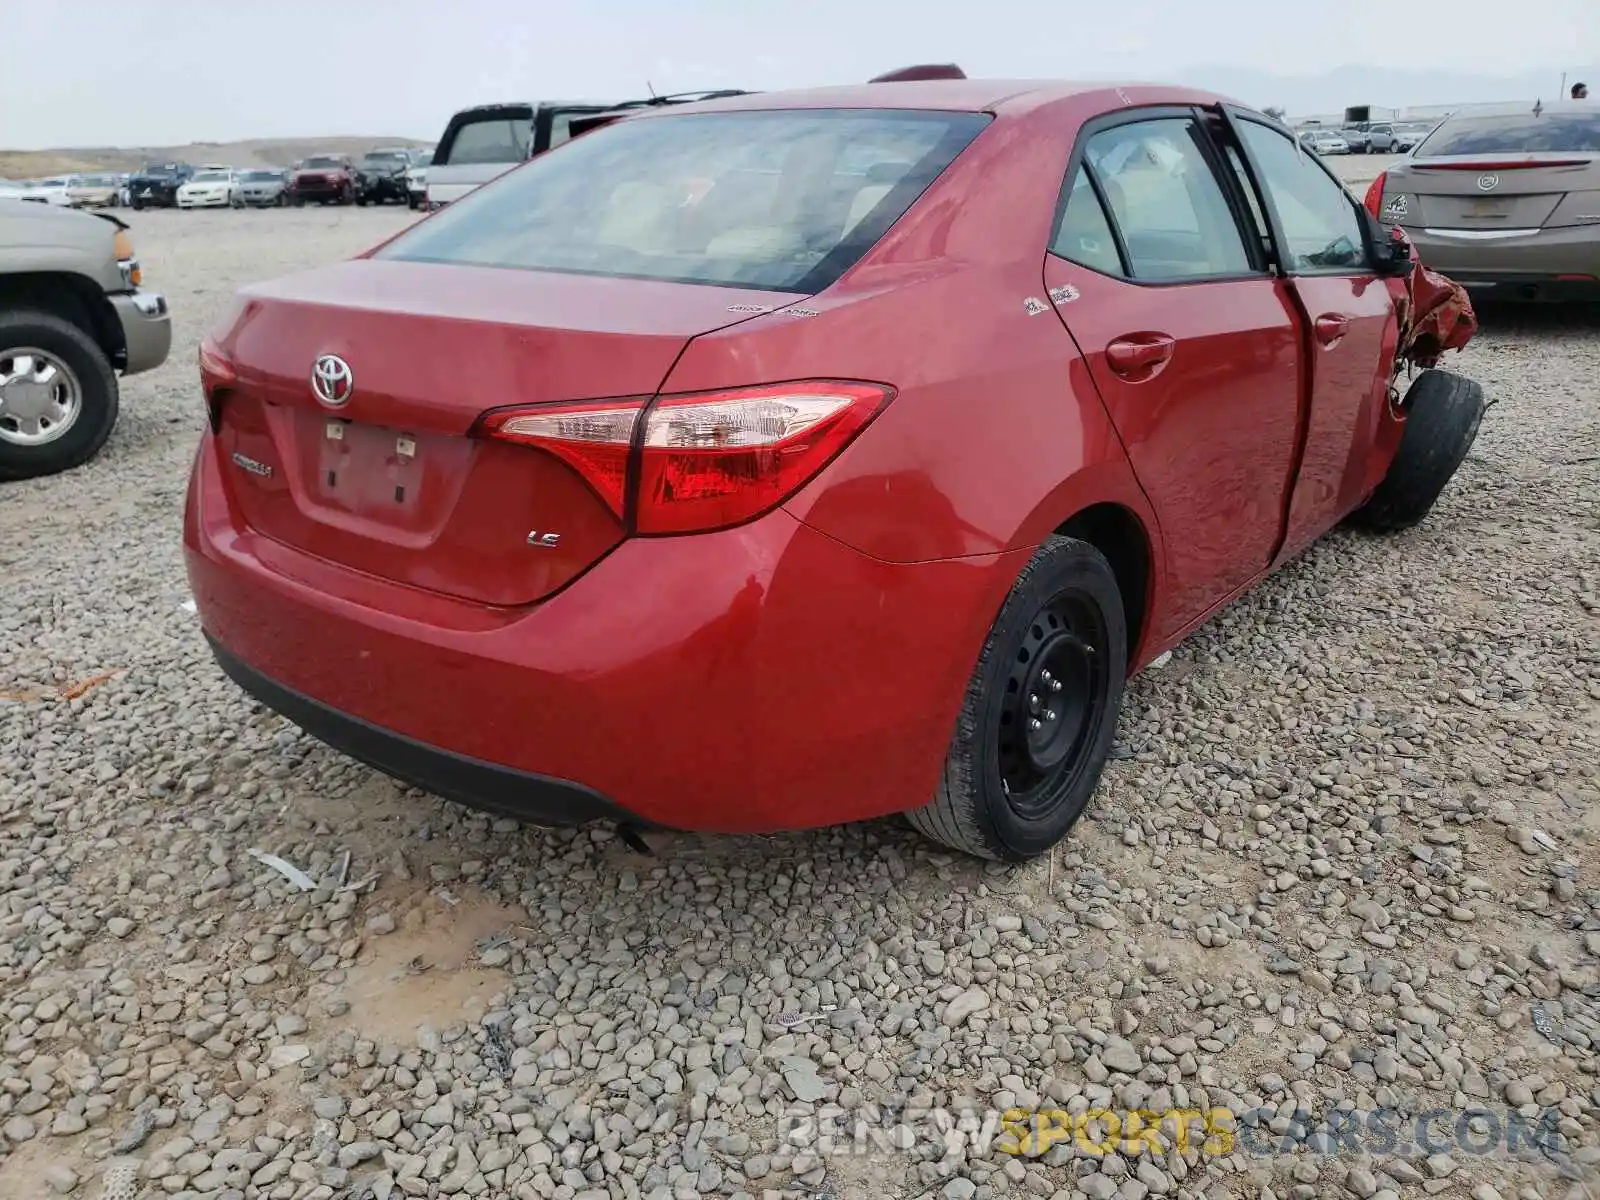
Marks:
<point>1509,318</point>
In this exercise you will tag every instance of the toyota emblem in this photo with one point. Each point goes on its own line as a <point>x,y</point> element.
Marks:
<point>1488,183</point>
<point>332,380</point>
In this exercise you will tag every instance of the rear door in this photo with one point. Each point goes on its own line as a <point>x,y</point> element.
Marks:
<point>478,145</point>
<point>1348,315</point>
<point>1192,343</point>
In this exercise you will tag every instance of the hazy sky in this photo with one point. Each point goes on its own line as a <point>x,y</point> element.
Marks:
<point>130,72</point>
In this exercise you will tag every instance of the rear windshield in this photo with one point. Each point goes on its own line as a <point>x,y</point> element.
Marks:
<point>1563,133</point>
<point>323,162</point>
<point>262,176</point>
<point>500,136</point>
<point>786,201</point>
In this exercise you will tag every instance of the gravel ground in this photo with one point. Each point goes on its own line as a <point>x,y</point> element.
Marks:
<point>1344,864</point>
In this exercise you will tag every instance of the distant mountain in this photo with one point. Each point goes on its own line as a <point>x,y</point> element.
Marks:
<point>257,152</point>
<point>1385,87</point>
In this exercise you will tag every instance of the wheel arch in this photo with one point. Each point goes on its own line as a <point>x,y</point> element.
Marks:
<point>1119,534</point>
<point>72,297</point>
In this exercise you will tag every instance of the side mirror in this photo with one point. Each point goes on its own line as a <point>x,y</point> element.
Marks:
<point>1391,257</point>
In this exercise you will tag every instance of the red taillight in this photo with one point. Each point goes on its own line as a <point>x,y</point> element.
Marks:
<point>705,460</point>
<point>1374,200</point>
<point>216,368</point>
<point>720,458</point>
<point>217,375</point>
<point>593,439</point>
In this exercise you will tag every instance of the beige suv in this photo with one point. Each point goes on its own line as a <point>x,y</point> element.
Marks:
<point>72,317</point>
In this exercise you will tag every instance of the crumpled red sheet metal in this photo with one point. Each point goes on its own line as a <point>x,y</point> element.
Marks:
<point>1435,313</point>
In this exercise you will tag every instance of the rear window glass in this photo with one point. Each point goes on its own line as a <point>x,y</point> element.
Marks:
<point>1563,133</point>
<point>491,139</point>
<point>785,200</point>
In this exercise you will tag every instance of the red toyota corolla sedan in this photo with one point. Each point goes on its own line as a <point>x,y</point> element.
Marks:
<point>797,458</point>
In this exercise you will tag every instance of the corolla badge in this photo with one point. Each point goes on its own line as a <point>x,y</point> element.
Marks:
<point>253,465</point>
<point>1488,183</point>
<point>332,380</point>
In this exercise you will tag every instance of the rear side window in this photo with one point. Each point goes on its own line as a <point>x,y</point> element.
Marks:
<point>1320,227</point>
<point>1167,203</point>
<point>1083,234</point>
<point>498,138</point>
<point>783,200</point>
<point>1561,133</point>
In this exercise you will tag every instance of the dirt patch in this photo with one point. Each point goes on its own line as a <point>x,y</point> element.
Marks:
<point>428,971</point>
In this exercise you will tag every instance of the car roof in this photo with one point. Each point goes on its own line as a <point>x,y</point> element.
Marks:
<point>1008,96</point>
<point>948,95</point>
<point>1553,109</point>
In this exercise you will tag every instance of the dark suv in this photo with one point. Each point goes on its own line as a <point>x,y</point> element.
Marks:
<point>381,176</point>
<point>156,185</point>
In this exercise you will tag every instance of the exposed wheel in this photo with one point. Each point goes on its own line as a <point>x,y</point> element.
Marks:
<point>1036,724</point>
<point>58,395</point>
<point>1443,411</point>
<point>137,204</point>
<point>414,202</point>
<point>299,201</point>
<point>361,201</point>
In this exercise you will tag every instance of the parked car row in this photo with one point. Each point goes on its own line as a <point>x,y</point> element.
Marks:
<point>69,191</point>
<point>1366,137</point>
<point>382,175</point>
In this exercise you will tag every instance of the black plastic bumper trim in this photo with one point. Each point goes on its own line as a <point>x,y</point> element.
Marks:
<point>537,799</point>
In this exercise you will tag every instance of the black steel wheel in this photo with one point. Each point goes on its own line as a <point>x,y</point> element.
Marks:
<point>1040,711</point>
<point>1053,702</point>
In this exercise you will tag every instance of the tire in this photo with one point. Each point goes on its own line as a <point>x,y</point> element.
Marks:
<point>91,373</point>
<point>1443,412</point>
<point>137,205</point>
<point>1064,609</point>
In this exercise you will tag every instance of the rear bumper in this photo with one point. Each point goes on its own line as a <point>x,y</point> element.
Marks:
<point>456,777</point>
<point>756,679</point>
<point>1539,264</point>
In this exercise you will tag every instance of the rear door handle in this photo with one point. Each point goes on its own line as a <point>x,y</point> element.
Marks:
<point>1331,327</point>
<point>1139,354</point>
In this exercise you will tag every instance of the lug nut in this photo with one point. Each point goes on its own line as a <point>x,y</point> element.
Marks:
<point>1049,714</point>
<point>1035,724</point>
<point>1046,676</point>
<point>1055,685</point>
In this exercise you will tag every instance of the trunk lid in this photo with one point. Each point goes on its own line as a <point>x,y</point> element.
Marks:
<point>1498,191</point>
<point>388,482</point>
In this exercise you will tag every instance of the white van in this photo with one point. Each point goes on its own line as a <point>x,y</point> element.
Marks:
<point>482,142</point>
